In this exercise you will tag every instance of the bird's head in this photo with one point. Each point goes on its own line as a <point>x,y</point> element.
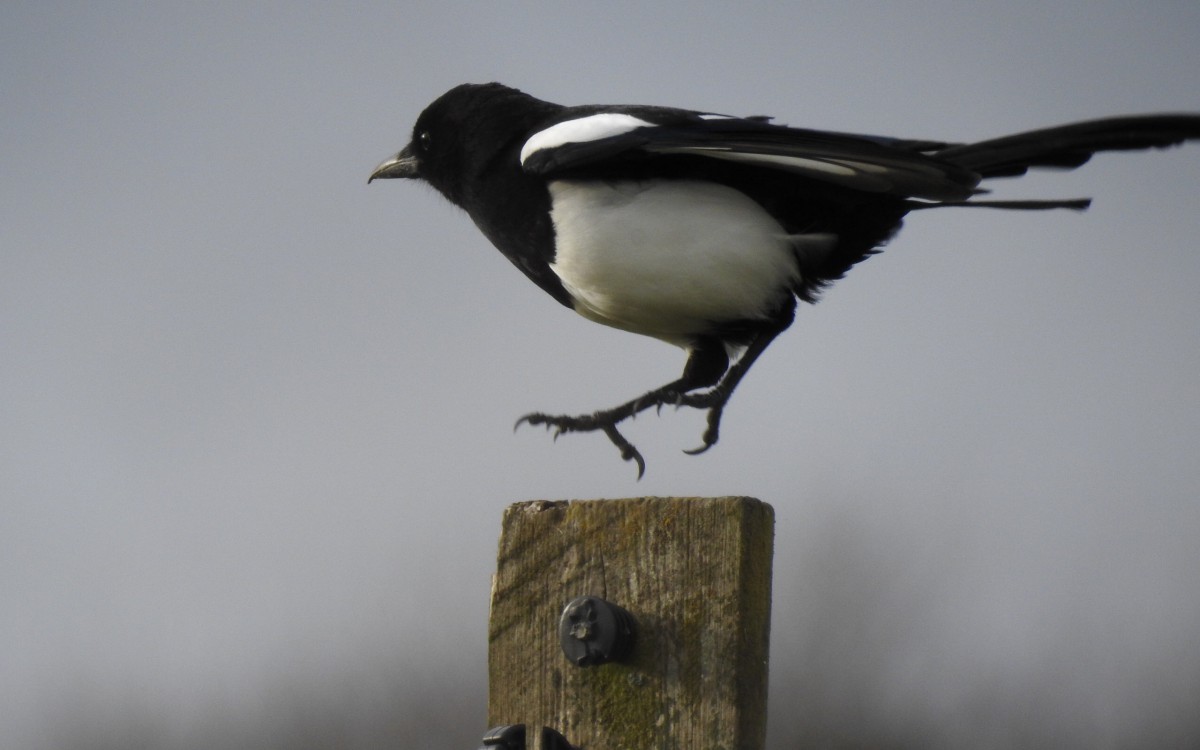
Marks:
<point>462,134</point>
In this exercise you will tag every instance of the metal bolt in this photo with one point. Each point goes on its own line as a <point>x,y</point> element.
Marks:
<point>504,737</point>
<point>552,740</point>
<point>593,631</point>
<point>512,737</point>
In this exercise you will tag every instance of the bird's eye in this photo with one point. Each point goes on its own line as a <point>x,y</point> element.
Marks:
<point>425,140</point>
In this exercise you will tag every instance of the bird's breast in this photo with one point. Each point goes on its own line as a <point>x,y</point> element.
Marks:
<point>668,258</point>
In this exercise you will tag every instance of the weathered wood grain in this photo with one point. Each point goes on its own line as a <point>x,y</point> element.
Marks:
<point>694,572</point>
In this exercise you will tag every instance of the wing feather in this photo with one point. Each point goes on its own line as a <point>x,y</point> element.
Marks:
<point>602,141</point>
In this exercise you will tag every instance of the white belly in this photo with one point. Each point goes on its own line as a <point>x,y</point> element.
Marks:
<point>668,258</point>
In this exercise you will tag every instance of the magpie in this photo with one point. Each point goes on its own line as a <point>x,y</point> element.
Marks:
<point>703,229</point>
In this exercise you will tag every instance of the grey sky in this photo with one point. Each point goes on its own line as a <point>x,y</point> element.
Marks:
<point>256,416</point>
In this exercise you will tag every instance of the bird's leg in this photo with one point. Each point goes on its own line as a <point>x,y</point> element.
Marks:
<point>715,398</point>
<point>706,363</point>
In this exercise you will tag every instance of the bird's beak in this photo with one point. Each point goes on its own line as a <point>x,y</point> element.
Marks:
<point>403,164</point>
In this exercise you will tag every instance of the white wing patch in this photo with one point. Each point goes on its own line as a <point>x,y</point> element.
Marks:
<point>581,130</point>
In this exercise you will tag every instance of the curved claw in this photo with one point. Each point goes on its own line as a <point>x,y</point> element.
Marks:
<point>633,455</point>
<point>534,419</point>
<point>711,433</point>
<point>628,452</point>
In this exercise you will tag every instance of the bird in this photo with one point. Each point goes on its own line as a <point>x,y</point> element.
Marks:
<point>705,230</point>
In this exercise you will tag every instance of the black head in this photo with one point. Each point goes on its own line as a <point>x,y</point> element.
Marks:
<point>461,133</point>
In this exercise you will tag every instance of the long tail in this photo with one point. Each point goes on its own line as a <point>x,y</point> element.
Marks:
<point>1069,146</point>
<point>1063,147</point>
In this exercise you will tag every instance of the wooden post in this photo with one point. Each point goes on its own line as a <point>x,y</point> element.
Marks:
<point>695,573</point>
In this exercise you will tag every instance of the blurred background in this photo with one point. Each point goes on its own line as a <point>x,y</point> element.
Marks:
<point>255,418</point>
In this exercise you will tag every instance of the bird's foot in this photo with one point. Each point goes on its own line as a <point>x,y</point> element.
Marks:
<point>605,421</point>
<point>714,401</point>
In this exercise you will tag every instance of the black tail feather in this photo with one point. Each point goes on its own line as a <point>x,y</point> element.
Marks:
<point>1069,146</point>
<point>1073,204</point>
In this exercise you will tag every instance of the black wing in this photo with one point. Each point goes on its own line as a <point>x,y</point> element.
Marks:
<point>589,139</point>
